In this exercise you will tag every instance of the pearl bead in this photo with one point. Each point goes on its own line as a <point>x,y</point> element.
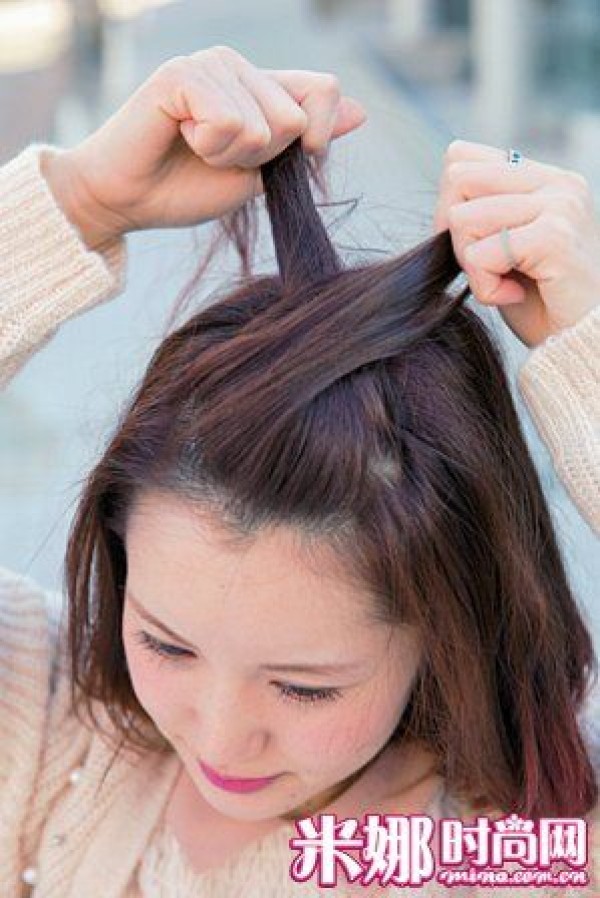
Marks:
<point>75,776</point>
<point>29,876</point>
<point>59,839</point>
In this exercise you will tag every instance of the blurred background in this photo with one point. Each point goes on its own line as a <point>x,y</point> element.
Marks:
<point>524,73</point>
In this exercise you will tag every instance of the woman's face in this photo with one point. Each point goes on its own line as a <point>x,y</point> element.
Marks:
<point>238,614</point>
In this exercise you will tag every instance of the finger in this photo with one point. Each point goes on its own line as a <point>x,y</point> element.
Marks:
<point>487,263</point>
<point>254,138</point>
<point>459,150</point>
<point>209,117</point>
<point>485,215</point>
<point>217,119</point>
<point>329,114</point>
<point>474,220</point>
<point>467,180</point>
<point>350,115</point>
<point>285,118</point>
<point>351,112</point>
<point>467,150</point>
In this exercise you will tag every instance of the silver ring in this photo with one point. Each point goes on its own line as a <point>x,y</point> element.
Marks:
<point>505,238</point>
<point>515,157</point>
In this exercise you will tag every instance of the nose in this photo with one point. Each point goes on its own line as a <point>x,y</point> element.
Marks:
<point>230,734</point>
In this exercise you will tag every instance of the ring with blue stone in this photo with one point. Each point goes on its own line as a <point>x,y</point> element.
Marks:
<point>514,157</point>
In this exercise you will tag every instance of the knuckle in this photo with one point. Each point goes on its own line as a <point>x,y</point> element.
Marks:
<point>558,230</point>
<point>257,139</point>
<point>229,122</point>
<point>563,226</point>
<point>286,134</point>
<point>564,204</point>
<point>174,67</point>
<point>295,123</point>
<point>453,150</point>
<point>330,84</point>
<point>298,118</point>
<point>575,204</point>
<point>578,181</point>
<point>225,52</point>
<point>581,190</point>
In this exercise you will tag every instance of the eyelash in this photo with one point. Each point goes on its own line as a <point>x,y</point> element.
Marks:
<point>294,693</point>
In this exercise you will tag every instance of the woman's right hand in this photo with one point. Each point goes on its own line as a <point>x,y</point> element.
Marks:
<point>187,145</point>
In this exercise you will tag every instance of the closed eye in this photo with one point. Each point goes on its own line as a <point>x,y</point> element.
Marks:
<point>175,653</point>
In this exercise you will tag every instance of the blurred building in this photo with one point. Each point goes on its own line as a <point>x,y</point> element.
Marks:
<point>516,70</point>
<point>53,70</point>
<point>35,36</point>
<point>519,70</point>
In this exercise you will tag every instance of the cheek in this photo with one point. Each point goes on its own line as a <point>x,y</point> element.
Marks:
<point>362,727</point>
<point>151,682</point>
<point>354,729</point>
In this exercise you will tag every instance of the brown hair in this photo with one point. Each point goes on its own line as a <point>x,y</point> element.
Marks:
<point>368,408</point>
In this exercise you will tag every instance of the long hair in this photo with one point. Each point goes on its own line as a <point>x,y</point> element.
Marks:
<point>368,408</point>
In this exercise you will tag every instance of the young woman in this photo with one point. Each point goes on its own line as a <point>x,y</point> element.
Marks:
<point>314,570</point>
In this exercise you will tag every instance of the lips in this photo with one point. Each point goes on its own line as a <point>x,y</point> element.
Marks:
<point>235,784</point>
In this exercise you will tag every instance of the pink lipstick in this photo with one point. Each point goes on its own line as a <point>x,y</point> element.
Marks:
<point>234,784</point>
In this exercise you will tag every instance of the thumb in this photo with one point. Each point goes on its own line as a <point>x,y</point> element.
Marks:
<point>350,115</point>
<point>509,291</point>
<point>527,319</point>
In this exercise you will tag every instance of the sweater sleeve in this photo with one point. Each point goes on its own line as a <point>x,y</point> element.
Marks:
<point>47,273</point>
<point>560,383</point>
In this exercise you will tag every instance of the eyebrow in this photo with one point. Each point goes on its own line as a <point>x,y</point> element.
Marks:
<point>287,668</point>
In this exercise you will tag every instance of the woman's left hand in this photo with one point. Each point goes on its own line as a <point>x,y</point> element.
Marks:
<point>553,234</point>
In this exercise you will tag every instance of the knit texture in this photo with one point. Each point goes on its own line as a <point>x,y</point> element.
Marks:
<point>70,820</point>
<point>560,382</point>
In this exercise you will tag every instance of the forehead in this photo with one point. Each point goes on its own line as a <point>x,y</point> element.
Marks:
<point>180,558</point>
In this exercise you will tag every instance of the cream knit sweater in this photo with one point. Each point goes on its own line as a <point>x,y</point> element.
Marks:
<point>69,828</point>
